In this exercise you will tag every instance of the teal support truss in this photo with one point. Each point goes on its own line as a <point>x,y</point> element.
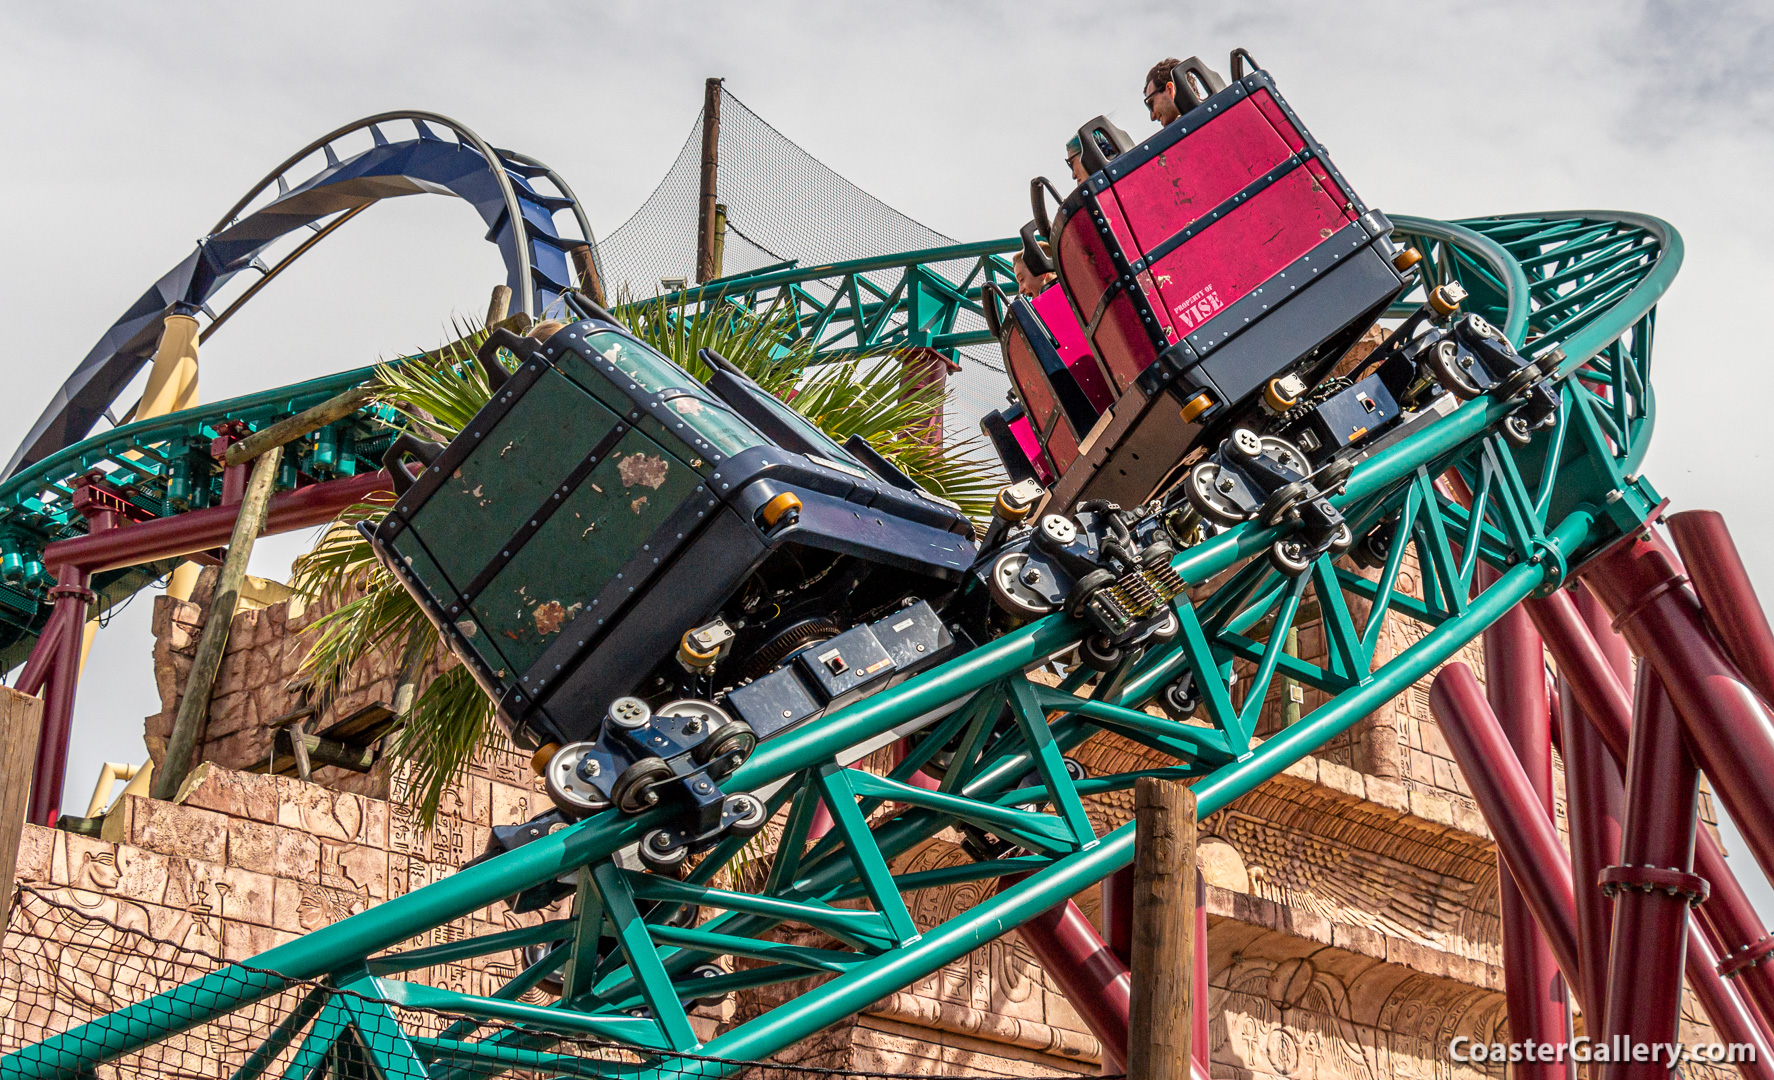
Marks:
<point>917,299</point>
<point>1586,283</point>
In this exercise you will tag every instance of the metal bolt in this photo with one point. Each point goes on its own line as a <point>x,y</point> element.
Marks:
<point>702,786</point>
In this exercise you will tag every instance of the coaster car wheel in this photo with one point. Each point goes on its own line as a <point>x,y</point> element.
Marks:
<point>1204,494</point>
<point>1375,546</point>
<point>1098,653</point>
<point>551,983</point>
<point>574,795</point>
<point>1011,593</point>
<point>1079,598</point>
<point>1443,362</point>
<point>1334,475</point>
<point>1180,699</point>
<point>1291,556</point>
<point>726,747</point>
<point>633,791</point>
<point>1166,630</point>
<point>1286,453</point>
<point>752,816</point>
<point>663,850</point>
<point>1343,539</point>
<point>1517,429</point>
<point>708,971</point>
<point>1276,506</point>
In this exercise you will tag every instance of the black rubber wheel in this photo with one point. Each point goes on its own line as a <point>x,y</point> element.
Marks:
<point>1517,382</point>
<point>1179,698</point>
<point>728,739</point>
<point>708,971</point>
<point>552,982</point>
<point>1158,553</point>
<point>1079,597</point>
<point>1289,556</point>
<point>752,821</point>
<point>1375,546</point>
<point>632,792</point>
<point>1334,475</point>
<point>1517,431</point>
<point>662,851</point>
<point>983,846</point>
<point>1343,539</point>
<point>1443,362</point>
<point>1286,497</point>
<point>1098,653</point>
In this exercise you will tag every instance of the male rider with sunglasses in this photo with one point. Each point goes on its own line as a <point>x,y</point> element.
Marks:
<point>1161,98</point>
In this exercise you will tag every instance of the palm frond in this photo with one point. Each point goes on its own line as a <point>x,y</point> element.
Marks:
<point>446,726</point>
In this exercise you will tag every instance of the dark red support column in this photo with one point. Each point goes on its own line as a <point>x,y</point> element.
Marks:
<point>1653,885</point>
<point>1729,730</point>
<point>1731,1017</point>
<point>1091,977</point>
<point>1595,801</point>
<point>112,542</point>
<point>1595,805</point>
<point>1515,683</point>
<point>1525,836</point>
<point>1096,982</point>
<point>1716,571</point>
<point>1117,891</point>
<point>72,598</point>
<point>1734,930</point>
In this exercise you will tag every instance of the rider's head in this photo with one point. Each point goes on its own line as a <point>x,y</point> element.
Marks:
<point>1029,283</point>
<point>1075,160</point>
<point>1161,98</point>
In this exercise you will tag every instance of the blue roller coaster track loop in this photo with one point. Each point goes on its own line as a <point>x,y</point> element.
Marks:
<point>497,184</point>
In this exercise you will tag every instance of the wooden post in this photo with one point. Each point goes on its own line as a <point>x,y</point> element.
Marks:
<point>1161,1013</point>
<point>720,242</point>
<point>194,706</point>
<point>291,428</point>
<point>586,266</point>
<point>21,718</point>
<point>499,307</point>
<point>705,206</point>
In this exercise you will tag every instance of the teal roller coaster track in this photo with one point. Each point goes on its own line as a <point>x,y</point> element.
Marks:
<point>1586,283</point>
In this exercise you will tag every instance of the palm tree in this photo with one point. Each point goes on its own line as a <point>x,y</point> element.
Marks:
<point>437,393</point>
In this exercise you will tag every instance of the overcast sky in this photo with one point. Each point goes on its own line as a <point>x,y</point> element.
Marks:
<point>128,128</point>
